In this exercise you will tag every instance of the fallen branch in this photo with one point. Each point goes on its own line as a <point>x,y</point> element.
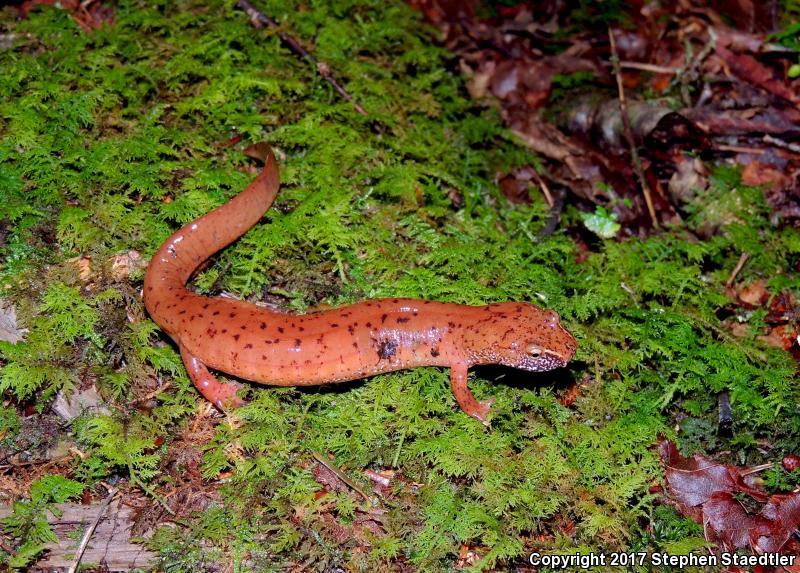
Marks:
<point>260,19</point>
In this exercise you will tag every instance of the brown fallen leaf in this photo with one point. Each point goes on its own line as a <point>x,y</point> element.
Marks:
<point>754,294</point>
<point>750,69</point>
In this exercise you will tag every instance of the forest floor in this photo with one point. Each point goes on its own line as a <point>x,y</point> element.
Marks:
<point>473,154</point>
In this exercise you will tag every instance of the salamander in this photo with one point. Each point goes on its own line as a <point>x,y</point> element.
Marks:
<point>346,343</point>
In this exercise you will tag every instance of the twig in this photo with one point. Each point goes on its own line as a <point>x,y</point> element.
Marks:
<point>259,19</point>
<point>645,67</point>
<point>737,269</point>
<point>626,121</point>
<point>741,149</point>
<point>87,535</point>
<point>555,214</point>
<point>793,147</point>
<point>545,189</point>
<point>755,469</point>
<point>340,474</point>
<point>689,72</point>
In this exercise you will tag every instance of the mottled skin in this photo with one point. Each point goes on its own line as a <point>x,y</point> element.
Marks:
<point>346,343</point>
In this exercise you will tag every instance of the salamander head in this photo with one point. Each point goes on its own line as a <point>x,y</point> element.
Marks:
<point>522,336</point>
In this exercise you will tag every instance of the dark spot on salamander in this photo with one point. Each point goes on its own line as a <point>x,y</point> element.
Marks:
<point>402,319</point>
<point>301,329</point>
<point>263,357</point>
<point>387,349</point>
<point>369,325</point>
<point>248,345</point>
<point>236,337</point>
<point>383,318</point>
<point>215,313</point>
<point>435,352</point>
<point>297,342</point>
<point>263,325</point>
<point>319,340</point>
<point>206,305</point>
<point>243,327</point>
<point>232,315</point>
<point>280,329</point>
<point>351,329</point>
<point>277,340</point>
<point>355,345</point>
<point>182,312</point>
<point>334,325</point>
<point>451,324</point>
<point>415,313</point>
<point>224,330</point>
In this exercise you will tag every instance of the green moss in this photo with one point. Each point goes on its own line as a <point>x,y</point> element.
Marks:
<point>114,139</point>
<point>28,522</point>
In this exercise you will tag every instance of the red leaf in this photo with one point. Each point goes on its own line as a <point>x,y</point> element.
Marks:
<point>726,522</point>
<point>692,481</point>
<point>705,491</point>
<point>782,517</point>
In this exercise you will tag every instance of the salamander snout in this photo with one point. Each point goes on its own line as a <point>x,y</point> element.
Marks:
<point>525,336</point>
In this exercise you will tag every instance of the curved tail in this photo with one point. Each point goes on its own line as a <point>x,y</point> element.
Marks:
<point>192,244</point>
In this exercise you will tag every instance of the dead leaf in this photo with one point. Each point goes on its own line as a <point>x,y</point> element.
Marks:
<point>707,492</point>
<point>84,266</point>
<point>692,481</point>
<point>123,265</point>
<point>750,69</point>
<point>757,174</point>
<point>754,294</point>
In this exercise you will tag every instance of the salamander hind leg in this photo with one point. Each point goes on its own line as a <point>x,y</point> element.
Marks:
<point>465,399</point>
<point>223,396</point>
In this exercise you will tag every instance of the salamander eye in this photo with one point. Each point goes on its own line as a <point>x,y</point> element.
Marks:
<point>534,351</point>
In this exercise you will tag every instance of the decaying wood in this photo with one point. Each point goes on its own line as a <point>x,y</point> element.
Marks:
<point>110,545</point>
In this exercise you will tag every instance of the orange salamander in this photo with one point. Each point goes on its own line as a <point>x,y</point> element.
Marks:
<point>345,343</point>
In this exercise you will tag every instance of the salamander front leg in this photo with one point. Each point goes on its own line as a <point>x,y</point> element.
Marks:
<point>465,399</point>
<point>221,395</point>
